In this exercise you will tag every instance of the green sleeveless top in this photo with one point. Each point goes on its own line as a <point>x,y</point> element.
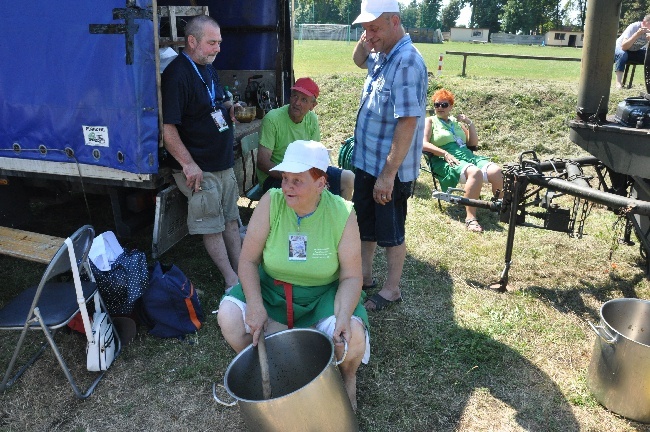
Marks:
<point>322,230</point>
<point>314,280</point>
<point>444,133</point>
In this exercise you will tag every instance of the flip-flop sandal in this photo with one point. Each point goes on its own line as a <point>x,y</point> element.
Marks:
<point>371,286</point>
<point>473,225</point>
<point>381,303</point>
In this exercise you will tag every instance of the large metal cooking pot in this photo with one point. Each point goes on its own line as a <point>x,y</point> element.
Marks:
<point>619,373</point>
<point>307,388</point>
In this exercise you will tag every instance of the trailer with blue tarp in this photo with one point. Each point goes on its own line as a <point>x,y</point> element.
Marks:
<point>80,107</point>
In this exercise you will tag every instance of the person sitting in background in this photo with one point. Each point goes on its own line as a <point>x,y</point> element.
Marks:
<point>302,243</point>
<point>449,141</point>
<point>295,121</point>
<point>631,46</point>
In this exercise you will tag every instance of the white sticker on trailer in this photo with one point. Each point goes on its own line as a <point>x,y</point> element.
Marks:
<point>95,135</point>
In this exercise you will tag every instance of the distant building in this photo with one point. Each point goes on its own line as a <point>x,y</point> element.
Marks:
<point>462,34</point>
<point>564,38</point>
<point>516,39</point>
<point>426,35</point>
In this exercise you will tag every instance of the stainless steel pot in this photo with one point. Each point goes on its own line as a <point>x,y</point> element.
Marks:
<point>619,372</point>
<point>307,388</point>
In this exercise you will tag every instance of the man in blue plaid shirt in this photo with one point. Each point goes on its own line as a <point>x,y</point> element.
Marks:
<point>388,140</point>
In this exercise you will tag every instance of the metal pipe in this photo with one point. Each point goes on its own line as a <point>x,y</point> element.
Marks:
<point>552,165</point>
<point>593,195</point>
<point>601,27</point>
<point>494,206</point>
<point>519,189</point>
<point>575,175</point>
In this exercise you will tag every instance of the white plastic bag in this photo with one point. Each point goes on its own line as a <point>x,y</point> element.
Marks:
<point>105,250</point>
<point>166,56</point>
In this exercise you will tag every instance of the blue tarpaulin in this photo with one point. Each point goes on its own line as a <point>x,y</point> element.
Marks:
<point>63,88</point>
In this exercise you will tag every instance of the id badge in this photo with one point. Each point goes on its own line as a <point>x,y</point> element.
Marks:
<point>459,141</point>
<point>297,247</point>
<point>219,120</point>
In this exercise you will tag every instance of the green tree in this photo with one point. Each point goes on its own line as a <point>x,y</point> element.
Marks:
<point>326,11</point>
<point>557,14</point>
<point>429,10</point>
<point>410,14</point>
<point>514,17</point>
<point>532,16</point>
<point>450,14</point>
<point>579,8</point>
<point>485,14</point>
<point>632,11</point>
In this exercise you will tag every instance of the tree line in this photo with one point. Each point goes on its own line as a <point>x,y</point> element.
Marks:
<point>508,16</point>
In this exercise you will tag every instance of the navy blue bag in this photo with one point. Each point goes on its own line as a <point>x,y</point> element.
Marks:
<point>171,305</point>
<point>122,285</point>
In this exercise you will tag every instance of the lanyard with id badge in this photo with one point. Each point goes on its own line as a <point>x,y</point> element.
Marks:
<point>450,127</point>
<point>298,242</point>
<point>216,114</point>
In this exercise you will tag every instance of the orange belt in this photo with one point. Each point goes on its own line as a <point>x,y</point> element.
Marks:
<point>190,308</point>
<point>288,294</point>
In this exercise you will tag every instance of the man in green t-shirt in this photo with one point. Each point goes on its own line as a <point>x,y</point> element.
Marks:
<point>292,122</point>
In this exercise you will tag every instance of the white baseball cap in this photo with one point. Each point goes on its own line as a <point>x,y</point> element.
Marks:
<point>372,9</point>
<point>302,155</point>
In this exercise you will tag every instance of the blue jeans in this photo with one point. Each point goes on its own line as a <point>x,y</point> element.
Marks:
<point>622,57</point>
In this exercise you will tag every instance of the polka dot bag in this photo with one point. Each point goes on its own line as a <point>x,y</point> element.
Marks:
<point>126,281</point>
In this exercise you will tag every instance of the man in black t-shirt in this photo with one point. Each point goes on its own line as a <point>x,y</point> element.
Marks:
<point>198,133</point>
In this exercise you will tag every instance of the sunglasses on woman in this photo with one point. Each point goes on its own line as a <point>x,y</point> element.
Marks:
<point>441,104</point>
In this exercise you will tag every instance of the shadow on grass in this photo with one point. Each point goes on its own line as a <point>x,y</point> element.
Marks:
<point>425,369</point>
<point>570,300</point>
<point>426,372</point>
<point>489,220</point>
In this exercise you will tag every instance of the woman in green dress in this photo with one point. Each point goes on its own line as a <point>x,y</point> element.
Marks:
<point>448,145</point>
<point>302,243</point>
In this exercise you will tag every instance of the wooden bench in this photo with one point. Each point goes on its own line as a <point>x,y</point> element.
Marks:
<point>527,57</point>
<point>28,245</point>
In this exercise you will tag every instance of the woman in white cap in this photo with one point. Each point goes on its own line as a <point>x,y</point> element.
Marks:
<point>302,243</point>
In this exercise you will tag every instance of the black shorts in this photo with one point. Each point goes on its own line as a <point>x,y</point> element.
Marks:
<point>383,224</point>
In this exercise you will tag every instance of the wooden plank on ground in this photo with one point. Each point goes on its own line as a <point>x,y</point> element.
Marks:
<point>28,245</point>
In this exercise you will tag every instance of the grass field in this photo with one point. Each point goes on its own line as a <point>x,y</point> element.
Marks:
<point>315,57</point>
<point>453,355</point>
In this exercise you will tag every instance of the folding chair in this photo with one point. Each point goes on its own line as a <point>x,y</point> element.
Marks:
<point>627,69</point>
<point>248,144</point>
<point>427,168</point>
<point>345,154</point>
<point>52,303</point>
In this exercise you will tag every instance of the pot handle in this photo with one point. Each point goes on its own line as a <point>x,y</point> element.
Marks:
<point>214,394</point>
<point>345,352</point>
<point>598,328</point>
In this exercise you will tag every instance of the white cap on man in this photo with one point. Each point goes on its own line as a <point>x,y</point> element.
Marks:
<point>302,155</point>
<point>372,9</point>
